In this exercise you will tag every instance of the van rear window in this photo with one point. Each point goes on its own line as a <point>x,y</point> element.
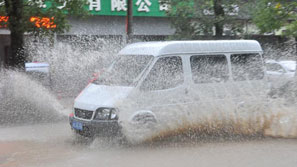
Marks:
<point>247,67</point>
<point>209,68</point>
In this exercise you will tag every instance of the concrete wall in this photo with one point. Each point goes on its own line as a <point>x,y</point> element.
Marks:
<point>116,25</point>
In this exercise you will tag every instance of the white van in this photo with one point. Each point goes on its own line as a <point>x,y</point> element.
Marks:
<point>148,78</point>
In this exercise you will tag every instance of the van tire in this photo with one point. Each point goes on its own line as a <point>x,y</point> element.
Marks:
<point>145,120</point>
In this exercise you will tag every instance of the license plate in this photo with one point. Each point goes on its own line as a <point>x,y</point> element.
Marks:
<point>77,125</point>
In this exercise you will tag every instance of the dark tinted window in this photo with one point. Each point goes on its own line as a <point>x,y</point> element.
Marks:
<point>166,73</point>
<point>209,68</point>
<point>247,67</point>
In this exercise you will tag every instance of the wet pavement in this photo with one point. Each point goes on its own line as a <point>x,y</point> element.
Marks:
<point>53,145</point>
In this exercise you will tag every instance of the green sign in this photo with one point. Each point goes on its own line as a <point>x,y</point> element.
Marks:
<point>151,8</point>
<point>119,7</point>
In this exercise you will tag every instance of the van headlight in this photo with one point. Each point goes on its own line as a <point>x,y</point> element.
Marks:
<point>114,114</point>
<point>106,114</point>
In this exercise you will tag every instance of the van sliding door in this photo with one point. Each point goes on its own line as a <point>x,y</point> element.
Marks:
<point>210,84</point>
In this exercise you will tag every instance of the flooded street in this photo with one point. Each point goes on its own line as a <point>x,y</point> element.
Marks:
<point>53,145</point>
<point>148,83</point>
<point>34,132</point>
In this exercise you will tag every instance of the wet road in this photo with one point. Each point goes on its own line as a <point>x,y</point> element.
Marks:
<point>53,145</point>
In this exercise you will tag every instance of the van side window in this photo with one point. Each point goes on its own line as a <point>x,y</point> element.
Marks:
<point>209,68</point>
<point>247,67</point>
<point>166,73</point>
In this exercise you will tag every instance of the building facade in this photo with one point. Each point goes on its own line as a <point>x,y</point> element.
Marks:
<point>108,20</point>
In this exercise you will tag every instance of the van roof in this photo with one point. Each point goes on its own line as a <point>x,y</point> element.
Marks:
<point>184,47</point>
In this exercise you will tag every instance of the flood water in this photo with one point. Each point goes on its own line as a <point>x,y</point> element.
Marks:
<point>49,141</point>
<point>53,145</point>
<point>34,129</point>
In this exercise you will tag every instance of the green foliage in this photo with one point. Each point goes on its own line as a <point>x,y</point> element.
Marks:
<point>59,10</point>
<point>181,17</point>
<point>192,18</point>
<point>271,15</point>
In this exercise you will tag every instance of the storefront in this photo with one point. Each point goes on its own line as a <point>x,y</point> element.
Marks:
<point>108,20</point>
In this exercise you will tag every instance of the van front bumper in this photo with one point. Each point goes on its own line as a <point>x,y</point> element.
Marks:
<point>89,128</point>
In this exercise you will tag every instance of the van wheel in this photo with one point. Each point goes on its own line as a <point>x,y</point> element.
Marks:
<point>145,120</point>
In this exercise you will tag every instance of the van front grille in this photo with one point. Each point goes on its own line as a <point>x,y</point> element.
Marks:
<point>84,114</point>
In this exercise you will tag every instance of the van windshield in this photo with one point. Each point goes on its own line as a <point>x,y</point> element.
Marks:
<point>125,70</point>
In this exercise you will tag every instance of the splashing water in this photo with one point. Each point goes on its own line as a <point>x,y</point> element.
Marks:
<point>73,62</point>
<point>24,100</point>
<point>71,68</point>
<point>224,118</point>
<point>247,115</point>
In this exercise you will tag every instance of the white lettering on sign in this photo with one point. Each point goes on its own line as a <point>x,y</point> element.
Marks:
<point>95,4</point>
<point>163,6</point>
<point>143,5</point>
<point>118,5</point>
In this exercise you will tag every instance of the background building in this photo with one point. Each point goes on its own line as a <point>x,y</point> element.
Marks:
<point>108,20</point>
